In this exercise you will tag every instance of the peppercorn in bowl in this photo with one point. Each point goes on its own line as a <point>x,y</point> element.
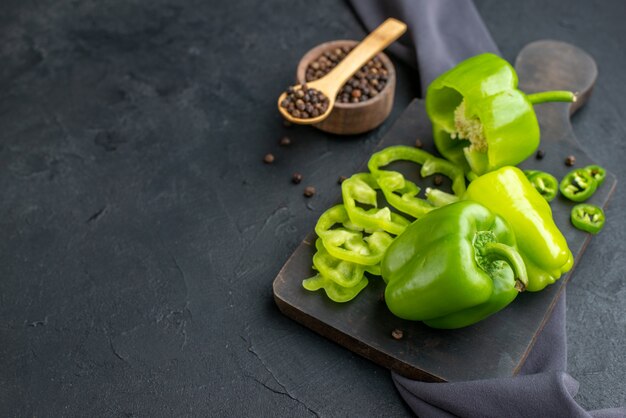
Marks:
<point>364,101</point>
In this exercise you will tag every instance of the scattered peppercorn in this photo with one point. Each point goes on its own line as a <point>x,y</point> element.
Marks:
<point>418,143</point>
<point>296,178</point>
<point>438,180</point>
<point>309,191</point>
<point>268,159</point>
<point>570,160</point>
<point>285,141</point>
<point>304,103</point>
<point>341,179</point>
<point>540,154</point>
<point>365,84</point>
<point>397,334</point>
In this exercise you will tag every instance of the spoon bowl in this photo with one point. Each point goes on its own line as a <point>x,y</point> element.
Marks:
<point>329,85</point>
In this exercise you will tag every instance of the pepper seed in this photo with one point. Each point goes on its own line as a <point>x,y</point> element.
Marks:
<point>268,159</point>
<point>296,178</point>
<point>570,160</point>
<point>397,334</point>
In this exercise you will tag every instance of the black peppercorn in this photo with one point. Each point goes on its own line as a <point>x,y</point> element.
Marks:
<point>303,102</point>
<point>397,334</point>
<point>341,179</point>
<point>418,143</point>
<point>309,191</point>
<point>296,178</point>
<point>268,159</point>
<point>438,180</point>
<point>540,154</point>
<point>367,78</point>
<point>285,141</point>
<point>570,160</point>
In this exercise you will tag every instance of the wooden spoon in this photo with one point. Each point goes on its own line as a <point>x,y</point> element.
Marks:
<point>390,30</point>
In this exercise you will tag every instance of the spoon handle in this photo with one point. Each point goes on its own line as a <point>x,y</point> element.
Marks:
<point>390,30</point>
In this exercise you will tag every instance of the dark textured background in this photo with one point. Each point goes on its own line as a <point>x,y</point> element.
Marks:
<point>140,231</point>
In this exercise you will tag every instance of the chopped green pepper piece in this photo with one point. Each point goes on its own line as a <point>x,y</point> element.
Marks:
<point>346,242</point>
<point>481,121</point>
<point>545,183</point>
<point>361,188</point>
<point>587,217</point>
<point>344,273</point>
<point>598,173</point>
<point>334,291</point>
<point>578,185</point>
<point>402,193</point>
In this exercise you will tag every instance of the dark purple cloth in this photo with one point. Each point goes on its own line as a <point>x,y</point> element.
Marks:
<point>442,33</point>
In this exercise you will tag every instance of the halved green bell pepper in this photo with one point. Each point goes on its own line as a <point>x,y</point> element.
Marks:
<point>481,121</point>
<point>453,267</point>
<point>508,193</point>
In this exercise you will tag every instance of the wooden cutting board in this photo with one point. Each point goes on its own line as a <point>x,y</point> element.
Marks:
<point>497,346</point>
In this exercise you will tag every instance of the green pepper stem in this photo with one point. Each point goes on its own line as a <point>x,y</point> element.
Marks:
<point>510,255</point>
<point>552,96</point>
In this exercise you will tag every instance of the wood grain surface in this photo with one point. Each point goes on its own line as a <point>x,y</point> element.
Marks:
<point>497,346</point>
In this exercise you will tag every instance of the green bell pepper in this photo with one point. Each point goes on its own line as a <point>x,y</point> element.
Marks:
<point>508,193</point>
<point>481,121</point>
<point>453,267</point>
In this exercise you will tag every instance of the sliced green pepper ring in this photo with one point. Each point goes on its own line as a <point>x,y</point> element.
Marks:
<point>598,173</point>
<point>347,242</point>
<point>401,193</point>
<point>588,217</point>
<point>578,185</point>
<point>545,183</point>
<point>361,188</point>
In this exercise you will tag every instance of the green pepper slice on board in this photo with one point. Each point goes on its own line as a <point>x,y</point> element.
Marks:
<point>578,185</point>
<point>453,267</point>
<point>402,193</point>
<point>598,173</point>
<point>481,121</point>
<point>335,292</point>
<point>586,217</point>
<point>545,183</point>
<point>344,273</point>
<point>347,242</point>
<point>361,188</point>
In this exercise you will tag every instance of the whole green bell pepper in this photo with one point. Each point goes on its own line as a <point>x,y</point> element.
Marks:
<point>481,121</point>
<point>508,193</point>
<point>453,267</point>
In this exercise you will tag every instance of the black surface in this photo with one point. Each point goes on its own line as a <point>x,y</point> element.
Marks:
<point>140,230</point>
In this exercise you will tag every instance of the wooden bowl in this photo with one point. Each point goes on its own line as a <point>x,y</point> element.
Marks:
<point>353,118</point>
